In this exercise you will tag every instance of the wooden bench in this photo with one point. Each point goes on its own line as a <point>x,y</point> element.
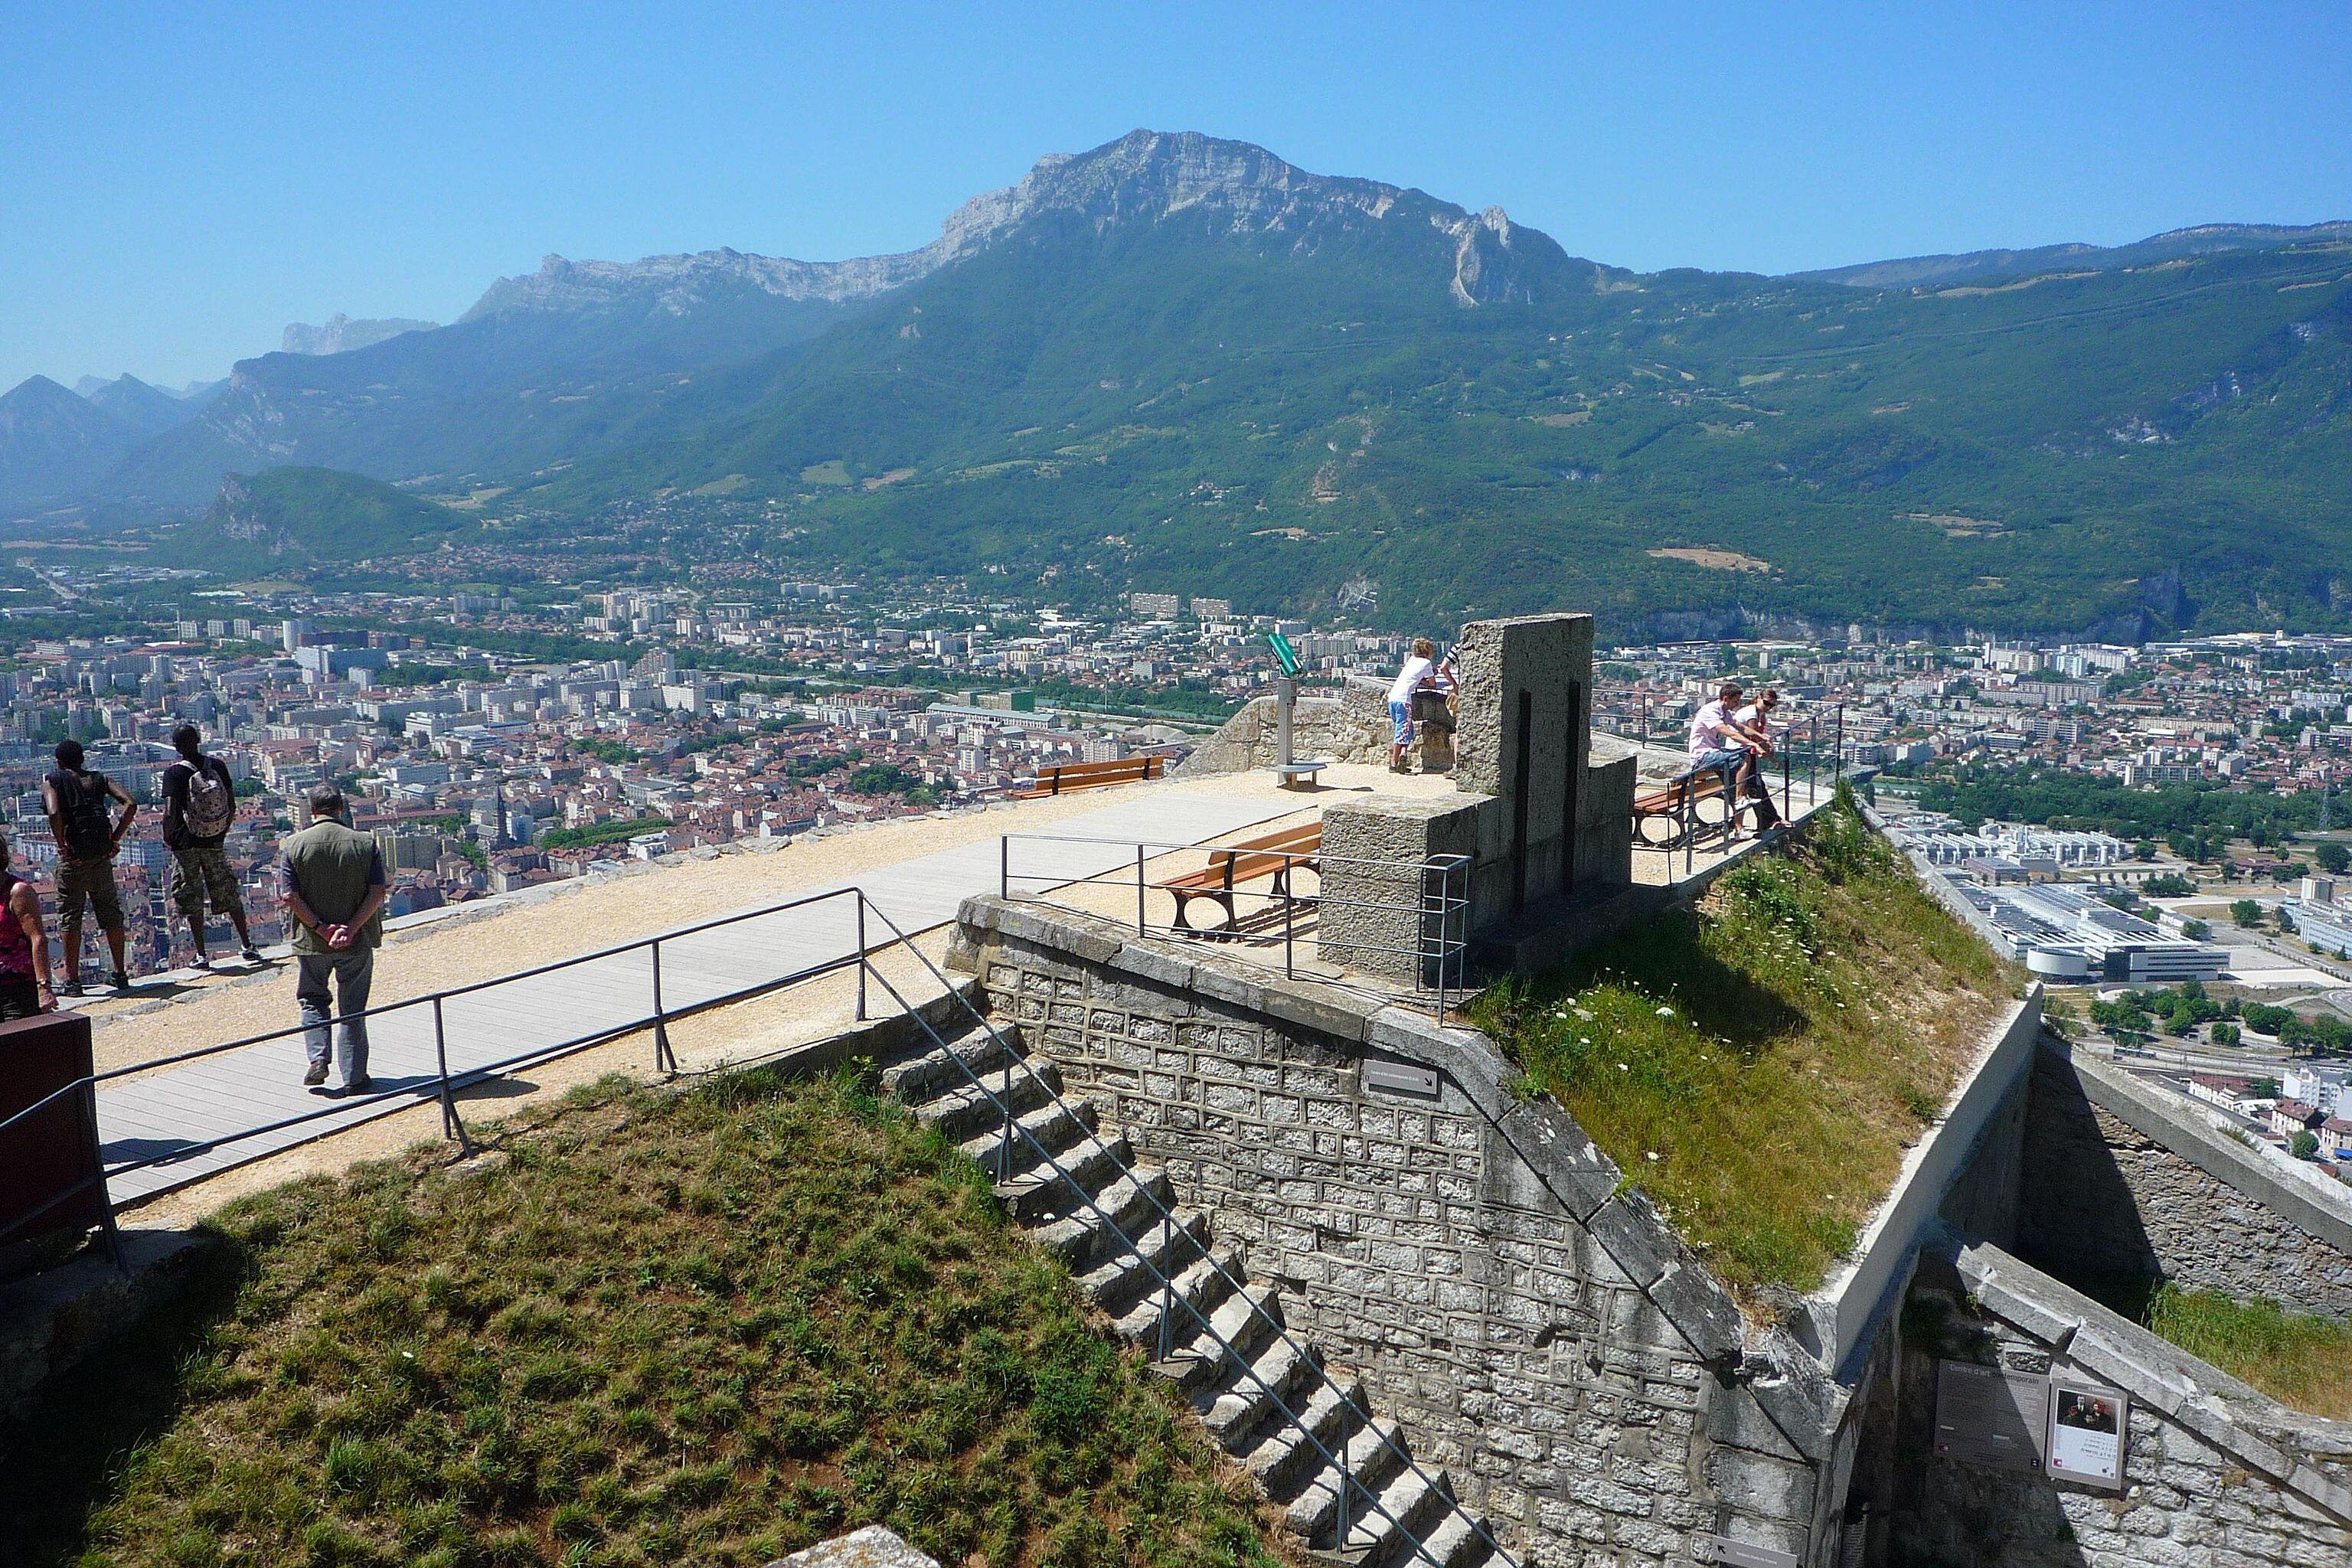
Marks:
<point>1062,778</point>
<point>1686,808</point>
<point>1273,855</point>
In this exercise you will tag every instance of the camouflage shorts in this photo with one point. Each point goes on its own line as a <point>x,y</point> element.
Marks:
<point>94,880</point>
<point>198,870</point>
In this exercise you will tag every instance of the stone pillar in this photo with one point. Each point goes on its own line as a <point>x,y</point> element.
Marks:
<point>1523,740</point>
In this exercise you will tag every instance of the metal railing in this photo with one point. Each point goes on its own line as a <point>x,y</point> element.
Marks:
<point>1163,1280</point>
<point>444,1081</point>
<point>1803,738</point>
<point>1438,904</point>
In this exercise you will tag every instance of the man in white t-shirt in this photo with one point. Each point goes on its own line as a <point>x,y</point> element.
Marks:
<point>1420,670</point>
<point>1719,743</point>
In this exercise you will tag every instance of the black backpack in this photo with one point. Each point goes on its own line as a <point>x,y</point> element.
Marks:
<point>81,808</point>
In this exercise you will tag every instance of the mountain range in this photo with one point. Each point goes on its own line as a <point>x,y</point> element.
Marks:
<point>1178,361</point>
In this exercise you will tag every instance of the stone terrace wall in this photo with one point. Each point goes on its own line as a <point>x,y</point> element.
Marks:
<point>2216,1475</point>
<point>1352,726</point>
<point>2118,1184</point>
<point>1532,1327</point>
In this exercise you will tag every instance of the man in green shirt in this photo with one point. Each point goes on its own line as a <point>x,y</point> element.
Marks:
<point>335,888</point>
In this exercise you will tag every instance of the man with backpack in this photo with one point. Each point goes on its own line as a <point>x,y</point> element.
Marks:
<point>199,804</point>
<point>76,798</point>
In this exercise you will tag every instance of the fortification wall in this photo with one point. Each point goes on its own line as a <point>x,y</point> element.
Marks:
<point>2125,1183</point>
<point>2216,1475</point>
<point>1531,1326</point>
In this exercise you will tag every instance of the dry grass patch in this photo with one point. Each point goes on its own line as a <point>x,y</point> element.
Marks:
<point>710,1328</point>
<point>1759,1070</point>
<point>1712,559</point>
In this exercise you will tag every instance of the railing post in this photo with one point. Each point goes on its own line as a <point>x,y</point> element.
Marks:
<point>452,1124</point>
<point>1838,758</point>
<point>860,896</point>
<point>1168,1284</point>
<point>1289,919</point>
<point>105,1193</point>
<point>664,1060</point>
<point>1138,889</point>
<point>1004,865</point>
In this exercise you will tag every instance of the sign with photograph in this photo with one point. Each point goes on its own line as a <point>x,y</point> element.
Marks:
<point>1989,1416</point>
<point>2087,1426</point>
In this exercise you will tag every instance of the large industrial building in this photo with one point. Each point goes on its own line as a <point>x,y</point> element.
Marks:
<point>2063,933</point>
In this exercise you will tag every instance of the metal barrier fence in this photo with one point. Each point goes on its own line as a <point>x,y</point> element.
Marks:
<point>1438,908</point>
<point>656,1016</point>
<point>1803,738</point>
<point>1356,1501</point>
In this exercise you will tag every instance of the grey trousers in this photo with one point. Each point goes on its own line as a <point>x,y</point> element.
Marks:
<point>352,971</point>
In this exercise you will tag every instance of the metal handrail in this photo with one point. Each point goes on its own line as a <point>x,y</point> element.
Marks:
<point>1811,729</point>
<point>1448,955</point>
<point>446,1082</point>
<point>1009,1123</point>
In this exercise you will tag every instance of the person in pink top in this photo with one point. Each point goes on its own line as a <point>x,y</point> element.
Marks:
<point>24,987</point>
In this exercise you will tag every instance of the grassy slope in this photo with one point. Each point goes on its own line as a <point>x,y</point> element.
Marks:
<point>1759,1069</point>
<point>711,1328</point>
<point>2296,1358</point>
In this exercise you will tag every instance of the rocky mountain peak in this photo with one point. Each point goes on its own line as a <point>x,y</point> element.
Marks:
<point>1143,176</point>
<point>340,334</point>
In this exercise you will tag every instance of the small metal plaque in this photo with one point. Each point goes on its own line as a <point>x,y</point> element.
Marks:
<point>1741,1554</point>
<point>1985,1415</point>
<point>1400,1077</point>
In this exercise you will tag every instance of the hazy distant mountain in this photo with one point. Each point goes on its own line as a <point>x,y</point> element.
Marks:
<point>1980,265</point>
<point>145,411</point>
<point>52,443</point>
<point>1183,362</point>
<point>340,334</point>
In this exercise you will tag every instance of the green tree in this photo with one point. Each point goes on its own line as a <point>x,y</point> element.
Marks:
<point>2225,1034</point>
<point>2196,931</point>
<point>2246,912</point>
<point>2333,859</point>
<point>2305,1146</point>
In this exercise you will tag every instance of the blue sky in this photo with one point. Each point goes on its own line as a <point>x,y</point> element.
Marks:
<point>178,182</point>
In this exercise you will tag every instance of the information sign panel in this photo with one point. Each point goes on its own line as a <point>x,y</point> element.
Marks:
<point>2087,1428</point>
<point>1989,1416</point>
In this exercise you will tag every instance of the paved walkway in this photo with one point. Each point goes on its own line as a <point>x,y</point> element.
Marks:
<point>161,1114</point>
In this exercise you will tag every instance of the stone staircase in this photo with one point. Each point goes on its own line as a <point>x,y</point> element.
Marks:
<point>1235,1392</point>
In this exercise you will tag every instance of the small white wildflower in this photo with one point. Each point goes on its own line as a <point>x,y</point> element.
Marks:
<point>1666,1011</point>
<point>1623,1067</point>
<point>1651,1154</point>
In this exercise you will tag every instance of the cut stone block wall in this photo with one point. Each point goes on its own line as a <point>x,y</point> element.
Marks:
<point>1352,726</point>
<point>2216,1475</point>
<point>2122,1183</point>
<point>1533,1327</point>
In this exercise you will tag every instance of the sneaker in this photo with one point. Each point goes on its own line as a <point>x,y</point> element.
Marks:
<point>360,1086</point>
<point>314,1075</point>
<point>201,962</point>
<point>251,955</point>
<point>122,981</point>
<point>70,988</point>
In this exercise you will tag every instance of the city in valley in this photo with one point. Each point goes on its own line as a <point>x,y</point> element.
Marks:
<point>824,788</point>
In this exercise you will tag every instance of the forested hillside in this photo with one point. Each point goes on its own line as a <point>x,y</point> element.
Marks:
<point>1178,362</point>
